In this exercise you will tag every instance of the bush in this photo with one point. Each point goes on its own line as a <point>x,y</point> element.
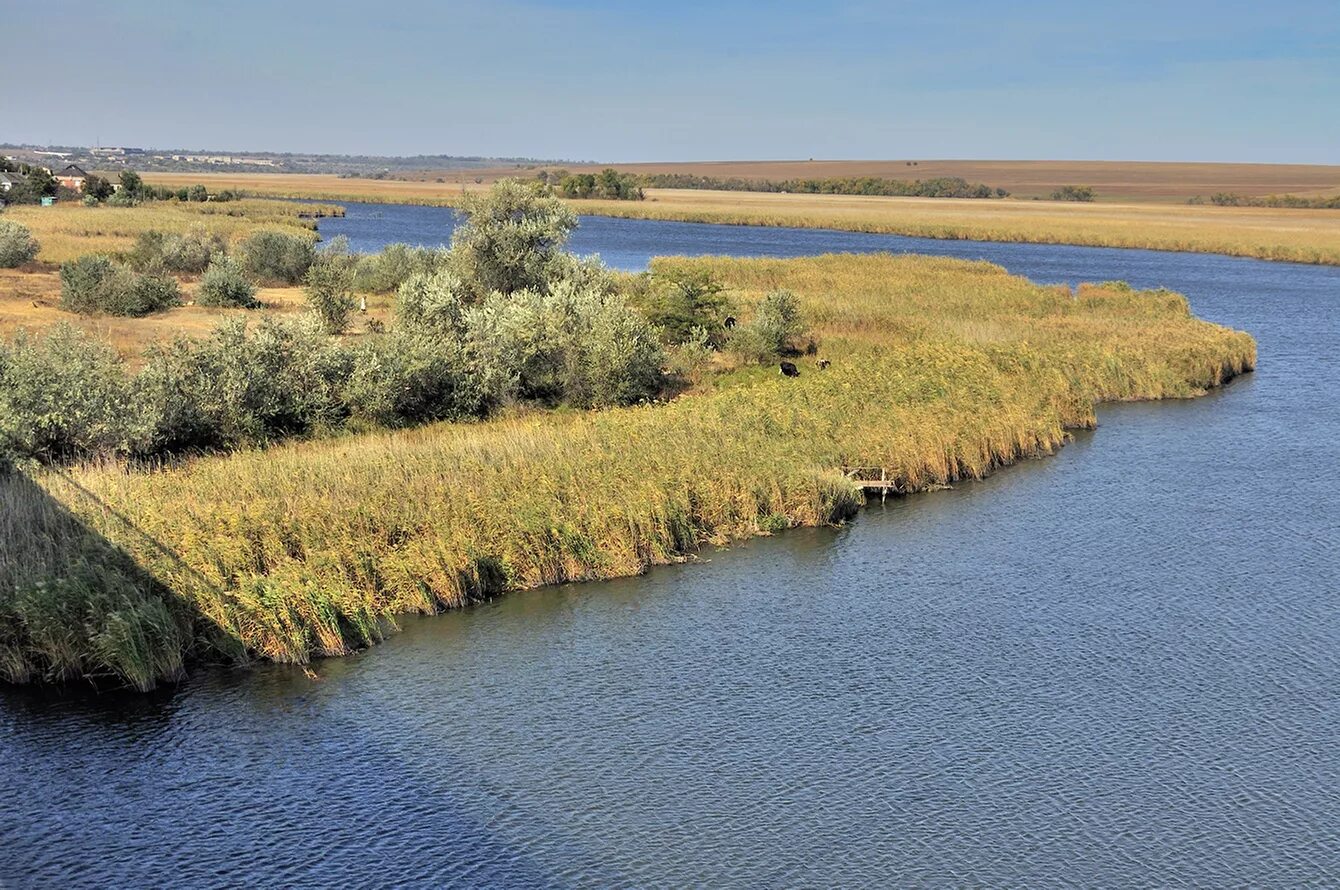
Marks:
<point>411,377</point>
<point>241,386</point>
<point>512,238</point>
<point>17,244</point>
<point>434,302</point>
<point>329,288</point>
<point>579,346</point>
<point>188,253</point>
<point>777,323</point>
<point>62,395</point>
<point>384,272</point>
<point>225,284</point>
<point>278,257</point>
<point>684,300</point>
<point>93,284</point>
<point>1073,193</point>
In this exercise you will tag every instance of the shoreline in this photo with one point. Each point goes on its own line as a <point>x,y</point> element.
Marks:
<point>216,561</point>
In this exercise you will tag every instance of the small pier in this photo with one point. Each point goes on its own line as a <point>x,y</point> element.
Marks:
<point>871,480</point>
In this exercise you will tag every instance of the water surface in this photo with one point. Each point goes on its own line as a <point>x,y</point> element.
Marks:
<point>1119,666</point>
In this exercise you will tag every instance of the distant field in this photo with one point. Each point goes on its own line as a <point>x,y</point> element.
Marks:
<point>1309,236</point>
<point>1112,180</point>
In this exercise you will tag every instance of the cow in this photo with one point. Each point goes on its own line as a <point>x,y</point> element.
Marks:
<point>789,370</point>
<point>823,364</point>
<point>730,321</point>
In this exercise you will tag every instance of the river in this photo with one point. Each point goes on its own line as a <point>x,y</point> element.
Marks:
<point>1117,666</point>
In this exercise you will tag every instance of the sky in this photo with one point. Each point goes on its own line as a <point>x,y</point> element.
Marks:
<point>682,79</point>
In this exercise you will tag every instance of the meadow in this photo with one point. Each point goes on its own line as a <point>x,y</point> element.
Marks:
<point>1284,234</point>
<point>941,370</point>
<point>69,230</point>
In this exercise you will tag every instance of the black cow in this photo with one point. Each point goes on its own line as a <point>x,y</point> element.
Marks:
<point>823,364</point>
<point>730,321</point>
<point>789,370</point>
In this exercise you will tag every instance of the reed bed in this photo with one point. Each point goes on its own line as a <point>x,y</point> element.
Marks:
<point>941,370</point>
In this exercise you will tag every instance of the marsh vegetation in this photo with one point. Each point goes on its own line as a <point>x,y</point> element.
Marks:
<point>939,370</point>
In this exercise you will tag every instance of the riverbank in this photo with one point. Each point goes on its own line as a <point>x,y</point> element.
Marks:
<point>941,370</point>
<point>1286,235</point>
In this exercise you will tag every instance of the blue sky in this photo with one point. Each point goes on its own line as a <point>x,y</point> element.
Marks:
<point>688,80</point>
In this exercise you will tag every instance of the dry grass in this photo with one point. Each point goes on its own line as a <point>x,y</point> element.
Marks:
<point>1305,236</point>
<point>69,230</point>
<point>30,299</point>
<point>941,370</point>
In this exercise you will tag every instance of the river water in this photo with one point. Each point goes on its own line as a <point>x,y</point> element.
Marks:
<point>1117,666</point>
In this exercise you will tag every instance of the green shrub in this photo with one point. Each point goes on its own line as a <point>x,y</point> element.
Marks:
<point>242,386</point>
<point>434,302</point>
<point>773,331</point>
<point>278,257</point>
<point>225,284</point>
<point>682,301</point>
<point>411,377</point>
<point>384,272</point>
<point>93,284</point>
<point>62,395</point>
<point>17,244</point>
<point>188,253</point>
<point>512,238</point>
<point>329,289</point>
<point>579,346</point>
<point>1073,193</point>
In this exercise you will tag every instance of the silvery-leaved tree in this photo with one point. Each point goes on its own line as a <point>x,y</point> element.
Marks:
<point>512,239</point>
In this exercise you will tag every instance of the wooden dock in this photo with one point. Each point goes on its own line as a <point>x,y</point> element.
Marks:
<point>871,480</point>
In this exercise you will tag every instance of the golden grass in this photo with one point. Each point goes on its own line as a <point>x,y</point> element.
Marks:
<point>31,300</point>
<point>941,370</point>
<point>70,230</point>
<point>1304,236</point>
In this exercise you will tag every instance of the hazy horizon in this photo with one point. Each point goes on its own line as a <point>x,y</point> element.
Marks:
<point>636,82</point>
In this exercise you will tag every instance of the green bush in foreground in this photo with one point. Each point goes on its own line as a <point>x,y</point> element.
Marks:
<point>225,284</point>
<point>93,284</point>
<point>17,244</point>
<point>62,395</point>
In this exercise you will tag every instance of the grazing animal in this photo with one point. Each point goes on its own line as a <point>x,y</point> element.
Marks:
<point>789,370</point>
<point>730,321</point>
<point>823,364</point>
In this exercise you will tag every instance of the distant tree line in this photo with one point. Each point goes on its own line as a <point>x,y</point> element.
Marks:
<point>1229,199</point>
<point>608,183</point>
<point>939,187</point>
